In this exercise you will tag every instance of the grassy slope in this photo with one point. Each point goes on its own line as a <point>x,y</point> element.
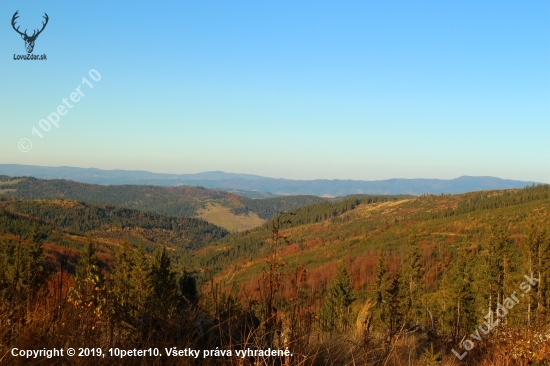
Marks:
<point>222,216</point>
<point>6,184</point>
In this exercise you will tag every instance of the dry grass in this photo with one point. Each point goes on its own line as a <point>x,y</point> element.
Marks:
<point>11,182</point>
<point>55,323</point>
<point>222,216</point>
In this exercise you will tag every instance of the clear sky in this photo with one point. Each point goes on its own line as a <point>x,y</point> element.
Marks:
<point>291,89</point>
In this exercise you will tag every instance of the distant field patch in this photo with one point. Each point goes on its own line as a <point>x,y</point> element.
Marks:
<point>368,208</point>
<point>10,182</point>
<point>222,216</point>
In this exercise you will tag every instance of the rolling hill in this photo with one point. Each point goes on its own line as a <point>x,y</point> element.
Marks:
<point>355,230</point>
<point>66,225</point>
<point>234,212</point>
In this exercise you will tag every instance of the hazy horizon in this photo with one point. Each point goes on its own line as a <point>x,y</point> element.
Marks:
<point>262,176</point>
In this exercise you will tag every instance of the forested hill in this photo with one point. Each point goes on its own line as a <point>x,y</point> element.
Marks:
<point>355,230</point>
<point>268,208</point>
<point>186,201</point>
<point>435,265</point>
<point>179,201</point>
<point>106,223</point>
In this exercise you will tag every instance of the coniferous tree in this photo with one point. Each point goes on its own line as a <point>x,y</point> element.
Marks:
<point>36,260</point>
<point>383,296</point>
<point>335,313</point>
<point>497,261</point>
<point>141,285</point>
<point>397,316</point>
<point>544,284</point>
<point>4,267</point>
<point>188,289</point>
<point>411,284</point>
<point>10,272</point>
<point>121,275</point>
<point>164,284</point>
<point>431,358</point>
<point>458,298</point>
<point>539,265</point>
<point>35,266</point>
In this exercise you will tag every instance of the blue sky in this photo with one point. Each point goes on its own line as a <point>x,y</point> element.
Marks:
<point>291,89</point>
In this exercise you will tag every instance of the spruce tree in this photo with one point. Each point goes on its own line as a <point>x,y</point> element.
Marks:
<point>498,245</point>
<point>383,296</point>
<point>10,272</point>
<point>539,265</point>
<point>335,313</point>
<point>458,298</point>
<point>397,318</point>
<point>36,261</point>
<point>121,276</point>
<point>411,284</point>
<point>35,265</point>
<point>188,289</point>
<point>164,283</point>
<point>544,284</point>
<point>141,285</point>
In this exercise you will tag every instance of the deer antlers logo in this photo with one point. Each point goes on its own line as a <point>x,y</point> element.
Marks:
<point>29,40</point>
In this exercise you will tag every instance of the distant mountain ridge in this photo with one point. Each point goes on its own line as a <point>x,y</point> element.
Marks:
<point>249,182</point>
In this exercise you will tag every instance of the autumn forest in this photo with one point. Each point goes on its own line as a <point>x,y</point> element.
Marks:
<point>357,280</point>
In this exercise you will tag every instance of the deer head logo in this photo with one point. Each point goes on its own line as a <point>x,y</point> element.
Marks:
<point>29,40</point>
